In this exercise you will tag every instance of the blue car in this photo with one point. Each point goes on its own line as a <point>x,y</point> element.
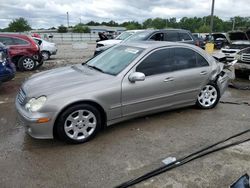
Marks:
<point>7,68</point>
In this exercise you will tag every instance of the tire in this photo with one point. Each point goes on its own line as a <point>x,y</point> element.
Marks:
<point>46,55</point>
<point>75,127</point>
<point>26,63</point>
<point>208,97</point>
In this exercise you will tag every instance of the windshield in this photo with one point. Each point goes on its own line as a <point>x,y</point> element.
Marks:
<point>124,35</point>
<point>139,36</point>
<point>115,59</point>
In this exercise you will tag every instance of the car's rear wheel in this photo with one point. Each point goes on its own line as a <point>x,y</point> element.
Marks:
<point>26,63</point>
<point>208,97</point>
<point>79,123</point>
<point>46,55</point>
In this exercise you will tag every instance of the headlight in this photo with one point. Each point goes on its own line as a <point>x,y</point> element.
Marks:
<point>35,104</point>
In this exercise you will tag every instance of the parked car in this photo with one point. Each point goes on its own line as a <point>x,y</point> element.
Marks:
<point>117,40</point>
<point>47,48</point>
<point>126,81</point>
<point>7,69</point>
<point>23,51</point>
<point>243,63</point>
<point>173,35</point>
<point>238,40</point>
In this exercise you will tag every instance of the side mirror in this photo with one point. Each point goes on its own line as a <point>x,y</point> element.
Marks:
<point>136,76</point>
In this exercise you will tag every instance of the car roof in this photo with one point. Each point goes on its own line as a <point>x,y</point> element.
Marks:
<point>23,36</point>
<point>166,29</point>
<point>154,44</point>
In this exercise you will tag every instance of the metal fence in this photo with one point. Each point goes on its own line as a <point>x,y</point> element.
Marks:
<point>70,37</point>
<point>66,37</point>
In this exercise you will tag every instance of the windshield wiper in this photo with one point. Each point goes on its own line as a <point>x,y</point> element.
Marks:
<point>96,68</point>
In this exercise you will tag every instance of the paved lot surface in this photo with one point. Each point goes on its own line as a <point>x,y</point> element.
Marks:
<point>127,149</point>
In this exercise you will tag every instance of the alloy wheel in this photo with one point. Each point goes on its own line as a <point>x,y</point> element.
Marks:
<point>208,96</point>
<point>28,63</point>
<point>80,124</point>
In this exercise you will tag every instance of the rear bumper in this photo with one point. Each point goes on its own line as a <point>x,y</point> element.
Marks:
<point>224,79</point>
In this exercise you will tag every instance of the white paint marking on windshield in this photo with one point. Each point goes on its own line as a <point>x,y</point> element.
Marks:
<point>132,50</point>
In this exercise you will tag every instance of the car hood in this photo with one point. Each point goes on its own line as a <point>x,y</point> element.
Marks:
<point>60,79</point>
<point>109,42</point>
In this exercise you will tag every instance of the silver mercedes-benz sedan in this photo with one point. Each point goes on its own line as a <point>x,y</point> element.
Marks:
<point>126,81</point>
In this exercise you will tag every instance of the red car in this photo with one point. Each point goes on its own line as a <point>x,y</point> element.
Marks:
<point>23,51</point>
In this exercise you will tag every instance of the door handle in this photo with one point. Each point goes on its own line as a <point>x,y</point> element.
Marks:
<point>203,72</point>
<point>169,79</point>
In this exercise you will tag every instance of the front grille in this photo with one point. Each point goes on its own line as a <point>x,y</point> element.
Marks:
<point>21,97</point>
<point>245,58</point>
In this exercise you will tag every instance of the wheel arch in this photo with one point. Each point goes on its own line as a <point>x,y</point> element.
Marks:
<point>16,58</point>
<point>93,103</point>
<point>46,51</point>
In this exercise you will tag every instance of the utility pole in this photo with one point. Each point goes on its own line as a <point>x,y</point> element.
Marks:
<point>68,19</point>
<point>212,19</point>
<point>80,20</point>
<point>233,24</point>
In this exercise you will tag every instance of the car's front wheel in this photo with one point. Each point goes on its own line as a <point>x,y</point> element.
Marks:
<point>78,123</point>
<point>208,97</point>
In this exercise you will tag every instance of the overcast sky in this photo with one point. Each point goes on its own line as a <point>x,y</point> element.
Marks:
<point>48,13</point>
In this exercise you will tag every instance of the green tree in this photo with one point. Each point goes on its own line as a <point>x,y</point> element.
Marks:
<point>18,25</point>
<point>159,23</point>
<point>131,25</point>
<point>147,23</point>
<point>81,28</point>
<point>62,29</point>
<point>202,29</point>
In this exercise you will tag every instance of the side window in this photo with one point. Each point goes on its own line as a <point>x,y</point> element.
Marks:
<point>157,37</point>
<point>19,41</point>
<point>158,62</point>
<point>6,40</point>
<point>172,36</point>
<point>184,37</point>
<point>201,61</point>
<point>184,59</point>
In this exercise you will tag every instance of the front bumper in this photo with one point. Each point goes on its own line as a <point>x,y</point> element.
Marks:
<point>32,127</point>
<point>53,52</point>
